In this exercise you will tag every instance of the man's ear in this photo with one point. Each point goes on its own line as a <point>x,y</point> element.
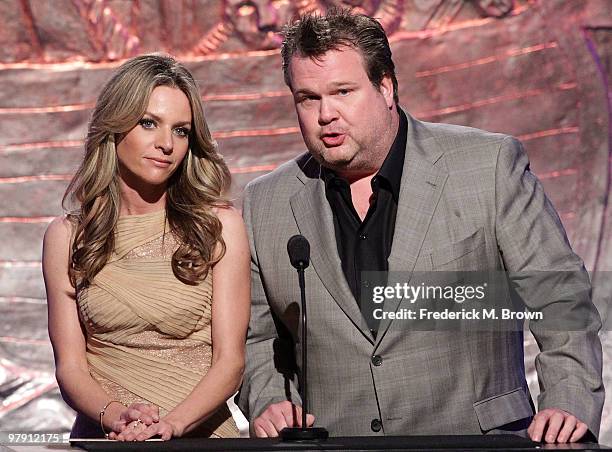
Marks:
<point>386,89</point>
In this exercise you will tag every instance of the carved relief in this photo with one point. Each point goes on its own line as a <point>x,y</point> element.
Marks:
<point>252,25</point>
<point>388,12</point>
<point>107,31</point>
<point>444,12</point>
<point>103,30</point>
<point>258,22</point>
<point>494,8</point>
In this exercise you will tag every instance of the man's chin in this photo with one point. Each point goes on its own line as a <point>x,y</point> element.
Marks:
<point>333,158</point>
<point>334,164</point>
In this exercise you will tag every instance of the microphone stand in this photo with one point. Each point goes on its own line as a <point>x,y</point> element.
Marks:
<point>303,433</point>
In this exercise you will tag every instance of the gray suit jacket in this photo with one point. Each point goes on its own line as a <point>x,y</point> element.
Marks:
<point>467,202</point>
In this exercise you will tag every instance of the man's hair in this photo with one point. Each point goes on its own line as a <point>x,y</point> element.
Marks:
<point>313,35</point>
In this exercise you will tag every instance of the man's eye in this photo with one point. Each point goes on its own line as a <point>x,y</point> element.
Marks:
<point>305,99</point>
<point>147,123</point>
<point>182,131</point>
<point>343,92</point>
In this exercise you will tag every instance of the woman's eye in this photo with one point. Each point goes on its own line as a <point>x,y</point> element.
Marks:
<point>182,131</point>
<point>147,123</point>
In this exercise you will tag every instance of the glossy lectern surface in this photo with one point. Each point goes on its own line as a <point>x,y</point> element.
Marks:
<point>354,443</point>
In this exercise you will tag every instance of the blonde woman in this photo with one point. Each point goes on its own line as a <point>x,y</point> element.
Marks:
<point>143,345</point>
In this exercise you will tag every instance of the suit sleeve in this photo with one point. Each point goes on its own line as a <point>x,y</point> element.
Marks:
<point>269,352</point>
<point>549,277</point>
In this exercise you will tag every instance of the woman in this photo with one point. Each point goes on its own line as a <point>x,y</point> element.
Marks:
<point>143,345</point>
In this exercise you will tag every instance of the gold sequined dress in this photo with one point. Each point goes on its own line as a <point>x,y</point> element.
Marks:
<point>148,334</point>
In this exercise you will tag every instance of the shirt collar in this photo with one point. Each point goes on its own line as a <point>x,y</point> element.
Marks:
<point>393,166</point>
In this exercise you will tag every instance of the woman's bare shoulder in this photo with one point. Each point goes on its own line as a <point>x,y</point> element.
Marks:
<point>59,231</point>
<point>228,216</point>
<point>232,226</point>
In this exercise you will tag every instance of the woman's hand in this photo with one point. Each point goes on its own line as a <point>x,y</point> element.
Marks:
<point>139,413</point>
<point>138,431</point>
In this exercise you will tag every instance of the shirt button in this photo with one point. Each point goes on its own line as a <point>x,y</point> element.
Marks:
<point>363,236</point>
<point>376,425</point>
<point>377,360</point>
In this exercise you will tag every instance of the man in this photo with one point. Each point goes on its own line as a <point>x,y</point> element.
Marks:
<point>381,191</point>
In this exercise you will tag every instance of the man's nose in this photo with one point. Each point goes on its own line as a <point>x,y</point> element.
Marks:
<point>327,112</point>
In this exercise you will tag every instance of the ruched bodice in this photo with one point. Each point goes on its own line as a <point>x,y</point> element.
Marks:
<point>149,334</point>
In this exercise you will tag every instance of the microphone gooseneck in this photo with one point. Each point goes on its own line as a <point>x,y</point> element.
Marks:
<point>298,249</point>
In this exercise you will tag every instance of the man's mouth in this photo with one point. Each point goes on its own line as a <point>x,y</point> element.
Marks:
<point>333,139</point>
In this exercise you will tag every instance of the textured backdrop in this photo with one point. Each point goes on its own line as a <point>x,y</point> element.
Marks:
<point>536,69</point>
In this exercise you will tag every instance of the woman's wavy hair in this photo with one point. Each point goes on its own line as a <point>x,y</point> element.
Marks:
<point>199,183</point>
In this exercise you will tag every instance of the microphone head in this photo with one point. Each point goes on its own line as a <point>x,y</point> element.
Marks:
<point>299,251</point>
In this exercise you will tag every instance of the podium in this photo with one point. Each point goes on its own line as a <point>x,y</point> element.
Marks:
<point>463,443</point>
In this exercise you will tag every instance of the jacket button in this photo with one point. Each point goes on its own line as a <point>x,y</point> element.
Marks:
<point>377,360</point>
<point>375,425</point>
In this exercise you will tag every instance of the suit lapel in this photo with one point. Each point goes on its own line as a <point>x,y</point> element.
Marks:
<point>315,222</point>
<point>423,179</point>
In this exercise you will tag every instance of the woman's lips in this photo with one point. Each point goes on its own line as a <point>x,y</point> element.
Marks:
<point>333,139</point>
<point>160,163</point>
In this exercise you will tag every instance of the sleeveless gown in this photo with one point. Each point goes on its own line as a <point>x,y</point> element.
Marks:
<point>148,334</point>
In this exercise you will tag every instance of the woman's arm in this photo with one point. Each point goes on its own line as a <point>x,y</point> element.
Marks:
<point>78,388</point>
<point>230,317</point>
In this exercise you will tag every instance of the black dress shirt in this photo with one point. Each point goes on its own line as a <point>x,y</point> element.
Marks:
<point>364,246</point>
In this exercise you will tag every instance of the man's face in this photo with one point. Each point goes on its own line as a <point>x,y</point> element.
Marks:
<point>346,122</point>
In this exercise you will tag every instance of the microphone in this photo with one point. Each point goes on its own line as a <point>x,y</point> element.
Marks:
<point>298,249</point>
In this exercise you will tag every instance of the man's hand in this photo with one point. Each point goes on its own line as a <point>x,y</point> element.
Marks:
<point>556,426</point>
<point>277,416</point>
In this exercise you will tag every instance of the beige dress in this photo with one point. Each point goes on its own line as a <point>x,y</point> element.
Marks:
<point>148,334</point>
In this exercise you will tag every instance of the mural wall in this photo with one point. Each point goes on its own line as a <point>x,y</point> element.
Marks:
<point>536,69</point>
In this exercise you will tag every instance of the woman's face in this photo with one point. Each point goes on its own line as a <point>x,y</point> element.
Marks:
<point>150,152</point>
